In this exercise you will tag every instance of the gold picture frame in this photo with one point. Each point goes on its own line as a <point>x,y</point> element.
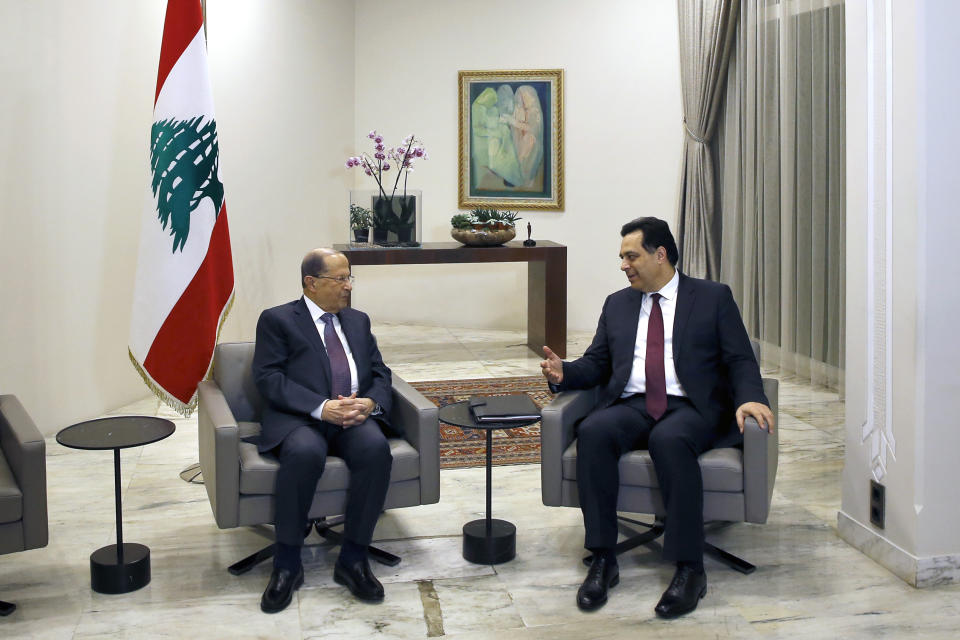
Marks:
<point>511,139</point>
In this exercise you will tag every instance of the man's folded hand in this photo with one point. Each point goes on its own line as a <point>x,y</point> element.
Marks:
<point>348,411</point>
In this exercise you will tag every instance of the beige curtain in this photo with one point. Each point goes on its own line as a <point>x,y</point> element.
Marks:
<point>706,36</point>
<point>781,165</point>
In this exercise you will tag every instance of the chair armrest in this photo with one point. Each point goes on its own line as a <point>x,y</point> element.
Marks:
<point>557,421</point>
<point>760,457</point>
<point>25,450</point>
<point>219,440</point>
<point>418,418</point>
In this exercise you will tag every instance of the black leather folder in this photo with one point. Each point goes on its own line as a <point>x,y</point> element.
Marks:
<point>513,408</point>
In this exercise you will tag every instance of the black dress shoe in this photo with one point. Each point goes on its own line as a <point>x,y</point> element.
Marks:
<point>684,593</point>
<point>358,577</point>
<point>603,574</point>
<point>279,591</point>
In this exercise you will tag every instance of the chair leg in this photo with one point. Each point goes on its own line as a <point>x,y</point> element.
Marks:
<point>323,529</point>
<point>656,530</point>
<point>252,560</point>
<point>653,532</point>
<point>241,567</point>
<point>192,474</point>
<point>6,608</point>
<point>727,558</point>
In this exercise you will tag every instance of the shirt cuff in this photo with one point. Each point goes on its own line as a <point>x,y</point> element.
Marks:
<point>316,413</point>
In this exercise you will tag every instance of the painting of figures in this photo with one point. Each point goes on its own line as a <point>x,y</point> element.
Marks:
<point>510,139</point>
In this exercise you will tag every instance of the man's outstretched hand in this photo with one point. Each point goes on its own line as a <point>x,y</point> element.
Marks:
<point>552,367</point>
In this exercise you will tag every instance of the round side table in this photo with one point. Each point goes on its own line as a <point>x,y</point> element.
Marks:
<point>121,567</point>
<point>486,541</point>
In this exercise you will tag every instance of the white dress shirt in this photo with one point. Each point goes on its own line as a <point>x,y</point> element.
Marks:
<point>316,313</point>
<point>668,306</point>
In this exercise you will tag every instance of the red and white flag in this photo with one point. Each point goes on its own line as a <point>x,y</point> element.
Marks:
<point>184,285</point>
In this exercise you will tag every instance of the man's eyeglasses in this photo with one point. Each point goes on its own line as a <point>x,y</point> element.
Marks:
<point>340,279</point>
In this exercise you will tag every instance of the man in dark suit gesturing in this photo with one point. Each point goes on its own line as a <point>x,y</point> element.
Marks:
<point>678,377</point>
<point>327,390</point>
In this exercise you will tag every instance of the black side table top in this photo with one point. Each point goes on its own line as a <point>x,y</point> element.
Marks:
<point>458,414</point>
<point>115,432</point>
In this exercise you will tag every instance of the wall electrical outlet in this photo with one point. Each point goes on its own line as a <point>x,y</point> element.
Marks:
<point>877,503</point>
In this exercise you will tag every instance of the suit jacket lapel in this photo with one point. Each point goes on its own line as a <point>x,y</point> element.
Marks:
<point>302,316</point>
<point>686,293</point>
<point>355,339</point>
<point>633,317</point>
<point>622,372</point>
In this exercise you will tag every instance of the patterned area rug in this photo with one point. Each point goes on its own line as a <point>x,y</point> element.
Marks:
<point>468,447</point>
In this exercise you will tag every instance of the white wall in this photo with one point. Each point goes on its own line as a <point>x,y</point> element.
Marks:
<point>938,383</point>
<point>622,129</point>
<point>76,104</point>
<point>902,352</point>
<point>283,85</point>
<point>78,83</point>
<point>880,368</point>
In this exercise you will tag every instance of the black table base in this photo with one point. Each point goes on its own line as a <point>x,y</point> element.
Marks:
<point>488,540</point>
<point>111,572</point>
<point>493,547</point>
<point>121,567</point>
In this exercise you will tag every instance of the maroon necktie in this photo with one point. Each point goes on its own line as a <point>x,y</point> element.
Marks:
<point>653,365</point>
<point>339,367</point>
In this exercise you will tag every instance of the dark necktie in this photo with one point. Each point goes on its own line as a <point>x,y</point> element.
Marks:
<point>653,365</point>
<point>339,367</point>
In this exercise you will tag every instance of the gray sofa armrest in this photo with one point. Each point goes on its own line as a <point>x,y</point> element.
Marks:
<point>557,421</point>
<point>219,439</point>
<point>760,458</point>
<point>25,450</point>
<point>418,418</point>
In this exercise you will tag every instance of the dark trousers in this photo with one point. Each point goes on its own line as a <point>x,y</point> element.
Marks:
<point>303,455</point>
<point>674,442</point>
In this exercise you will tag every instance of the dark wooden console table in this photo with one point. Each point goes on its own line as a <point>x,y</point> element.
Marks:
<point>546,278</point>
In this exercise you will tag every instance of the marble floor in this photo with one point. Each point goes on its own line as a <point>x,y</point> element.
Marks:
<point>809,583</point>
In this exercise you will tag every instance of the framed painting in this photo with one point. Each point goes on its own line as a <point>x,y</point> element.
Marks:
<point>511,139</point>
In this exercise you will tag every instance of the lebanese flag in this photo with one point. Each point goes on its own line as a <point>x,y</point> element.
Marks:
<point>184,285</point>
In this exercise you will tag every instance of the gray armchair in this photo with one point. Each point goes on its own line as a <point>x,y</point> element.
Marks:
<point>240,480</point>
<point>23,483</point>
<point>737,482</point>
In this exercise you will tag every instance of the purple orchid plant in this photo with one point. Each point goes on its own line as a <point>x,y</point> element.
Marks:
<point>403,155</point>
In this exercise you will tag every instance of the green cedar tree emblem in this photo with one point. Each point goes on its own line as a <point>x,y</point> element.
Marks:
<point>184,161</point>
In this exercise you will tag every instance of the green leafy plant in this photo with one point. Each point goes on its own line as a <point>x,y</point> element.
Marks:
<point>461,221</point>
<point>488,218</point>
<point>510,217</point>
<point>360,218</point>
<point>484,216</point>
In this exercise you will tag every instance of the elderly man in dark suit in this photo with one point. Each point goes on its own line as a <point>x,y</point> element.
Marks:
<point>679,377</point>
<point>327,390</point>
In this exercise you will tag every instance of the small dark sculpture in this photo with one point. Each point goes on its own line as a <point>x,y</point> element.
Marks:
<point>528,242</point>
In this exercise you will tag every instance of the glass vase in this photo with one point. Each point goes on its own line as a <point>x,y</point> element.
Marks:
<point>397,220</point>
